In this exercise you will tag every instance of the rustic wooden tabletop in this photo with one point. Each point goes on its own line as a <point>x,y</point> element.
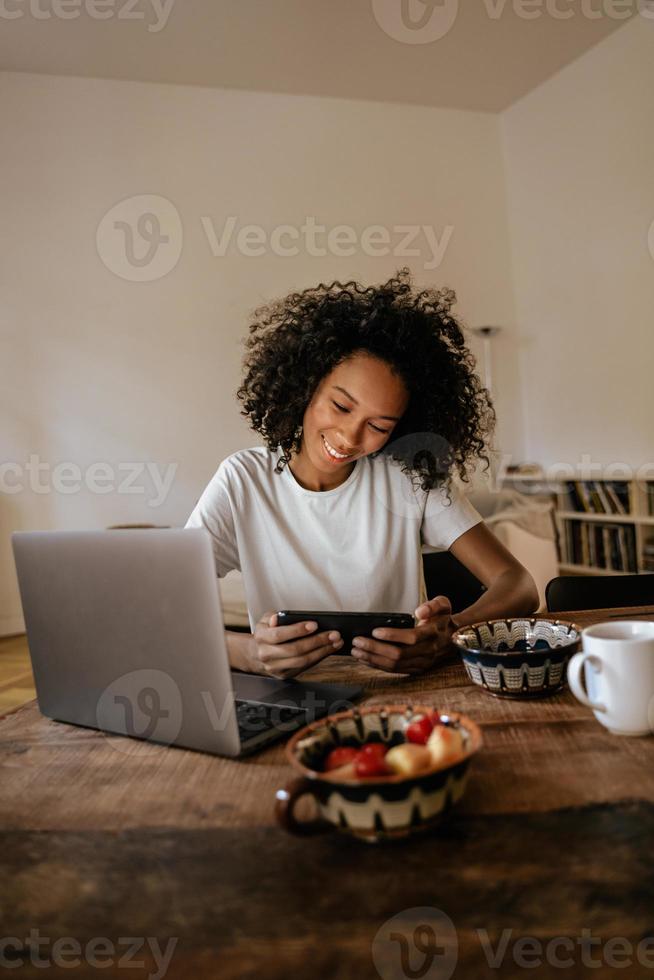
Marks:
<point>106,838</point>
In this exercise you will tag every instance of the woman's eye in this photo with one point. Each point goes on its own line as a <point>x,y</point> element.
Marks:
<point>342,408</point>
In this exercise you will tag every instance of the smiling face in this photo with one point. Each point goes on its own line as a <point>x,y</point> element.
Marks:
<point>352,413</point>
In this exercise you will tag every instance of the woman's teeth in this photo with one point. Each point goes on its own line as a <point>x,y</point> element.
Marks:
<point>332,452</point>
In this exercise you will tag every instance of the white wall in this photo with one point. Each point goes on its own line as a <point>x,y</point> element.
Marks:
<point>99,368</point>
<point>580,178</point>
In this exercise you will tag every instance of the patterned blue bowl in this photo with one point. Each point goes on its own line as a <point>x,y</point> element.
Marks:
<point>518,658</point>
<point>378,808</point>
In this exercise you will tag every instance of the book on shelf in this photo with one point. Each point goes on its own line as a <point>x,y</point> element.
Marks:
<point>596,545</point>
<point>583,497</point>
<point>648,555</point>
<point>619,490</point>
<point>597,496</point>
<point>603,496</point>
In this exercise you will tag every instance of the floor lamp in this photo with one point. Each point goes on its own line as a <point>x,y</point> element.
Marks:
<point>487,333</point>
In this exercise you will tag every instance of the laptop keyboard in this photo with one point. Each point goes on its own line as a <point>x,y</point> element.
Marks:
<point>254,718</point>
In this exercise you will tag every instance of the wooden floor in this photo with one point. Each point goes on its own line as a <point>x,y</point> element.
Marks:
<point>16,681</point>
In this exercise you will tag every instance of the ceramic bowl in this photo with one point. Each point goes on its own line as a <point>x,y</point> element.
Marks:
<point>518,658</point>
<point>378,808</point>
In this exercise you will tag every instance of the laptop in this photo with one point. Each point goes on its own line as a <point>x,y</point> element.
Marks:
<point>126,635</point>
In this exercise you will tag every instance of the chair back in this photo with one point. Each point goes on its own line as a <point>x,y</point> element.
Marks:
<point>445,575</point>
<point>567,592</point>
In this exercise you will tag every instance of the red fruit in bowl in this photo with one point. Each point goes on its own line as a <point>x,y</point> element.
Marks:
<point>371,764</point>
<point>419,730</point>
<point>340,757</point>
<point>375,749</point>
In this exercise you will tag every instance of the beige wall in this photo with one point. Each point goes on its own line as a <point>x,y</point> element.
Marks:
<point>550,205</point>
<point>580,179</point>
<point>98,368</point>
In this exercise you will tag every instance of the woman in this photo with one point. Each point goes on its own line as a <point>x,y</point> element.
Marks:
<point>368,404</point>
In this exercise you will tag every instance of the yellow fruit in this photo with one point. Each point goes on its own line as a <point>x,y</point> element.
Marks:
<point>444,744</point>
<point>408,759</point>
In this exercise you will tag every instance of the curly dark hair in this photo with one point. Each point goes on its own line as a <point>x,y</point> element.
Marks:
<point>296,341</point>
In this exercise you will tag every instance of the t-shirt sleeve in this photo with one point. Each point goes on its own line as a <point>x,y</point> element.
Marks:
<point>443,522</point>
<point>214,512</point>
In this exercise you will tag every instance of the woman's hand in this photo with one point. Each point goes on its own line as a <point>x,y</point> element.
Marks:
<point>410,651</point>
<point>284,651</point>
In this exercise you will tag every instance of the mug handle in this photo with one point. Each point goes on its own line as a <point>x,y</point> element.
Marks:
<point>575,678</point>
<point>285,810</point>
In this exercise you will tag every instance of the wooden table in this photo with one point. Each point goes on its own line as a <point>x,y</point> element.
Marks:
<point>106,837</point>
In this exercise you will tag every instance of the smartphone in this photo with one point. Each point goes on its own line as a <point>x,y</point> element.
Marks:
<point>348,624</point>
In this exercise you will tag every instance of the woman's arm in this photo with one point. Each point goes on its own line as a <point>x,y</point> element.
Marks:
<point>239,649</point>
<point>511,591</point>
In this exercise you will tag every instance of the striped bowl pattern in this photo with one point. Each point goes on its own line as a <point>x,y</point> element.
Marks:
<point>518,658</point>
<point>385,807</point>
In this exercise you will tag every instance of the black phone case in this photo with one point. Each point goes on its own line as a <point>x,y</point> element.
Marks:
<point>348,624</point>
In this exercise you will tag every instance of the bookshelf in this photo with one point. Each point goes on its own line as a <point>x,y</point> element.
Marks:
<point>604,526</point>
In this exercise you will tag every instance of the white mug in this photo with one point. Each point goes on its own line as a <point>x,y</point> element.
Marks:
<point>617,664</point>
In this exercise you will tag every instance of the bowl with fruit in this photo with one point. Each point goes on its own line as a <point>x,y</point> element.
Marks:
<point>518,658</point>
<point>380,772</point>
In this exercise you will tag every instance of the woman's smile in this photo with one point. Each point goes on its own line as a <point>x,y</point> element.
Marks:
<point>332,454</point>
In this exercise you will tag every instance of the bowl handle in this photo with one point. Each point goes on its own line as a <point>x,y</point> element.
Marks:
<point>285,810</point>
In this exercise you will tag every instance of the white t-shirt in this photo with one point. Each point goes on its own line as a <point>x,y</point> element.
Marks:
<point>356,547</point>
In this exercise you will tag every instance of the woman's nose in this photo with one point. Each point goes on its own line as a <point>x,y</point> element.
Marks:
<point>350,437</point>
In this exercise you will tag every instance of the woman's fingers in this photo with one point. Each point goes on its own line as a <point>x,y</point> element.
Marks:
<point>272,633</point>
<point>288,666</point>
<point>438,606</point>
<point>299,650</point>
